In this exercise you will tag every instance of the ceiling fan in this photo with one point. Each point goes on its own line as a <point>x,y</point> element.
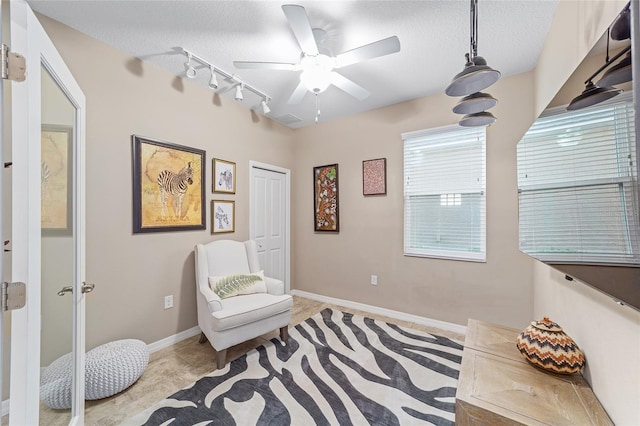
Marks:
<point>317,63</point>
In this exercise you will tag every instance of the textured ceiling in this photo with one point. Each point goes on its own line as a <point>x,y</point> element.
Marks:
<point>434,36</point>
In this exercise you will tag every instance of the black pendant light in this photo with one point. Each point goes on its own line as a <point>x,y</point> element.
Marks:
<point>621,27</point>
<point>478,119</point>
<point>476,102</point>
<point>592,95</point>
<point>617,74</point>
<point>476,75</point>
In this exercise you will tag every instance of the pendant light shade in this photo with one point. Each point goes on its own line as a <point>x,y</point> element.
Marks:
<point>475,76</point>
<point>474,103</point>
<point>592,95</point>
<point>479,119</point>
<point>621,27</point>
<point>617,74</point>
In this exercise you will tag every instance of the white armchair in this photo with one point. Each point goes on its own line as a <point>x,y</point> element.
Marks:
<point>229,321</point>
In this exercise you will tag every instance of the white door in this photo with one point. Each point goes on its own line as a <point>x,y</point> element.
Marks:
<point>269,219</point>
<point>36,174</point>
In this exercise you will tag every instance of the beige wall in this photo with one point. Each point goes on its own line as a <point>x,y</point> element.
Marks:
<point>371,229</point>
<point>133,273</point>
<point>608,334</point>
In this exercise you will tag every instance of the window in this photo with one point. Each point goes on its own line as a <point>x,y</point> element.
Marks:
<point>578,185</point>
<point>444,193</point>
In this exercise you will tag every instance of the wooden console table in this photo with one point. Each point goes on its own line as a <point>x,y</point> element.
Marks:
<point>497,386</point>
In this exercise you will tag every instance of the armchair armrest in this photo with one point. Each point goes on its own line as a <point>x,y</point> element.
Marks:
<point>274,286</point>
<point>213,301</point>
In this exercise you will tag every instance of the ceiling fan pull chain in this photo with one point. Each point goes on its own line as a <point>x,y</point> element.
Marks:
<point>317,110</point>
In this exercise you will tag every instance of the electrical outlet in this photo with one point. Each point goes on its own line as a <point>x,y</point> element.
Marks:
<point>168,301</point>
<point>374,280</point>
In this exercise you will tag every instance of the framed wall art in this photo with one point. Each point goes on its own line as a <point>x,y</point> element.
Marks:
<point>374,177</point>
<point>224,176</point>
<point>168,186</point>
<point>56,179</point>
<point>223,216</point>
<point>325,198</point>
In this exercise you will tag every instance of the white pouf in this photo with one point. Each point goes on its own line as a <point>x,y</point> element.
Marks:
<point>109,369</point>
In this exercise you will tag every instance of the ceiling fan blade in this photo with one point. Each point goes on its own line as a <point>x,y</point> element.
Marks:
<point>343,83</point>
<point>298,94</point>
<point>264,65</point>
<point>376,49</point>
<point>299,22</point>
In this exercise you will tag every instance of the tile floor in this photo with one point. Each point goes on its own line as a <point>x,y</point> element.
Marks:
<point>177,366</point>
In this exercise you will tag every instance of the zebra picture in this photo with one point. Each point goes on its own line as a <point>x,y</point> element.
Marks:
<point>226,180</point>
<point>224,175</point>
<point>174,185</point>
<point>222,218</point>
<point>222,215</point>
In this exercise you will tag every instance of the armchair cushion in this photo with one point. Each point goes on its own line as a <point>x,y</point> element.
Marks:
<point>250,308</point>
<point>238,284</point>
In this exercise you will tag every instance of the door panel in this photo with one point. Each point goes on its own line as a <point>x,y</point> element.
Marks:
<point>38,229</point>
<point>269,220</point>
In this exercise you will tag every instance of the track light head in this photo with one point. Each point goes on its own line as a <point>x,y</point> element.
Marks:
<point>265,108</point>
<point>239,96</point>
<point>213,81</point>
<point>190,71</point>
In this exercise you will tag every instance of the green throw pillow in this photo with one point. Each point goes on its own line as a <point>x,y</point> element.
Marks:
<point>238,284</point>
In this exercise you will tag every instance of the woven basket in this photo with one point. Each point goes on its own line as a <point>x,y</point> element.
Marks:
<point>545,345</point>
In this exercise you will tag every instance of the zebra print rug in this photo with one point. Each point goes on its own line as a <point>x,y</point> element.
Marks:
<point>337,368</point>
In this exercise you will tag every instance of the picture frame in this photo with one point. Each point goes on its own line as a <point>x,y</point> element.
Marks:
<point>223,216</point>
<point>374,177</point>
<point>56,167</point>
<point>224,176</point>
<point>168,186</point>
<point>325,198</point>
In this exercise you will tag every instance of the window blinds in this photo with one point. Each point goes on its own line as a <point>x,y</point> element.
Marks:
<point>444,193</point>
<point>578,185</point>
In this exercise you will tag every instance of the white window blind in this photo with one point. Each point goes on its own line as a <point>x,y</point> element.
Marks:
<point>444,193</point>
<point>578,185</point>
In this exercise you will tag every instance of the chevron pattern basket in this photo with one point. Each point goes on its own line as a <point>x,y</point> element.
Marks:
<point>545,345</point>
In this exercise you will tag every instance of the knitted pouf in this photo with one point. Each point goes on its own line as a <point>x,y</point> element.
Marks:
<point>109,369</point>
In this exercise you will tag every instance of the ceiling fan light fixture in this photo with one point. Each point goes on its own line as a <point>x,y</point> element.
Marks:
<point>316,81</point>
<point>592,95</point>
<point>479,119</point>
<point>239,96</point>
<point>474,103</point>
<point>617,74</point>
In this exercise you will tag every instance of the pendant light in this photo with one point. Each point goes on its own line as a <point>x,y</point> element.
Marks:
<point>478,119</point>
<point>474,103</point>
<point>594,94</point>
<point>476,75</point>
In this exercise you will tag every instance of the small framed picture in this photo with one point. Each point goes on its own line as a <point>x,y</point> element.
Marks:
<point>224,176</point>
<point>374,177</point>
<point>223,216</point>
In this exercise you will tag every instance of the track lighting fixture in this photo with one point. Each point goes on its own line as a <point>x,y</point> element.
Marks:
<point>239,95</point>
<point>190,70</point>
<point>265,108</point>
<point>476,75</point>
<point>229,79</point>
<point>213,81</point>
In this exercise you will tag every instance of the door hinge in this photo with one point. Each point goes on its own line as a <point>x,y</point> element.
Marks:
<point>13,296</point>
<point>14,66</point>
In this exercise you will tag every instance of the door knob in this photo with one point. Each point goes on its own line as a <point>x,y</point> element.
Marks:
<point>67,289</point>
<point>87,288</point>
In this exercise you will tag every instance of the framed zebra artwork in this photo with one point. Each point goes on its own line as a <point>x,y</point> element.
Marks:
<point>56,179</point>
<point>168,186</point>
<point>224,176</point>
<point>223,216</point>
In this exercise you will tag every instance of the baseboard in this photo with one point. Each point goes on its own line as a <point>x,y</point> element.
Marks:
<point>448,326</point>
<point>172,340</point>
